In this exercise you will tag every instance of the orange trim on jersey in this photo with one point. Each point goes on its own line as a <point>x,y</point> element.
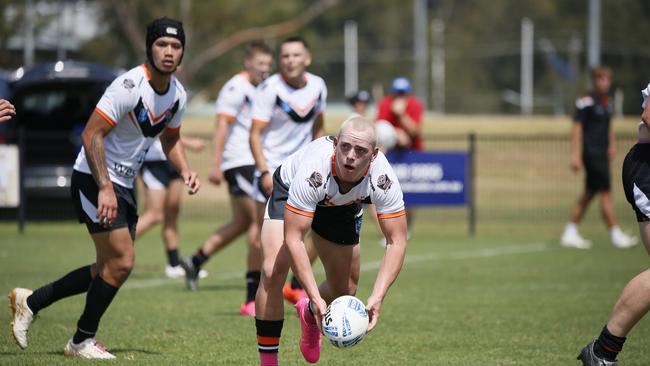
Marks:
<point>260,121</point>
<point>155,119</point>
<point>298,211</point>
<point>229,117</point>
<point>334,164</point>
<point>268,341</point>
<point>245,75</point>
<point>105,117</point>
<point>147,73</point>
<point>391,215</point>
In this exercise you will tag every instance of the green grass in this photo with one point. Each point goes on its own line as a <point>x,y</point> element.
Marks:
<point>456,302</point>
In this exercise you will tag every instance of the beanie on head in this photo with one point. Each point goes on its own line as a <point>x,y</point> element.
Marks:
<point>164,27</point>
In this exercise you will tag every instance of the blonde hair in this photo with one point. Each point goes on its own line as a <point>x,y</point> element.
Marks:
<point>360,124</point>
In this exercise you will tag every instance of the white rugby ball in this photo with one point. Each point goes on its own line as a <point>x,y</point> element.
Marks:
<point>386,136</point>
<point>345,322</point>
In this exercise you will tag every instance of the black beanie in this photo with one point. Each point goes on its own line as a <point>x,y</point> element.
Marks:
<point>164,27</point>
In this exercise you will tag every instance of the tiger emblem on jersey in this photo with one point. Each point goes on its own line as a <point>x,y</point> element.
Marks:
<point>384,182</point>
<point>315,180</point>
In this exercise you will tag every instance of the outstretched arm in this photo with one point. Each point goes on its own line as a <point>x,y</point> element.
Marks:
<point>218,143</point>
<point>394,230</point>
<point>92,138</point>
<point>171,143</point>
<point>257,149</point>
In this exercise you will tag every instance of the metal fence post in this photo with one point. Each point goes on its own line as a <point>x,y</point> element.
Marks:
<point>471,153</point>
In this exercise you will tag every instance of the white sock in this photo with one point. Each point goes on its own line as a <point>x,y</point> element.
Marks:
<point>615,230</point>
<point>571,228</point>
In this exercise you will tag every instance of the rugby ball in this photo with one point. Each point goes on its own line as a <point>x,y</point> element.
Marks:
<point>345,322</point>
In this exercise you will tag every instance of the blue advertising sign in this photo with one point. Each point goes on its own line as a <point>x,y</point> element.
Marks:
<point>431,178</point>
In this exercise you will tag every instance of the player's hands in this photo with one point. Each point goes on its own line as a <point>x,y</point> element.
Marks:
<point>7,110</point>
<point>373,306</point>
<point>216,175</point>
<point>267,183</point>
<point>106,206</point>
<point>318,307</point>
<point>576,164</point>
<point>191,180</point>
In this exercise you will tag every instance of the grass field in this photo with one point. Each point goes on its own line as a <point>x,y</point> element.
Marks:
<point>504,298</point>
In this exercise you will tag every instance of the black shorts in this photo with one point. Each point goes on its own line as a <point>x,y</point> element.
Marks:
<point>158,174</point>
<point>240,180</point>
<point>597,177</point>
<point>338,224</point>
<point>84,192</point>
<point>636,180</point>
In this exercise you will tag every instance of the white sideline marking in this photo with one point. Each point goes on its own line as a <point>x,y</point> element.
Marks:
<point>370,266</point>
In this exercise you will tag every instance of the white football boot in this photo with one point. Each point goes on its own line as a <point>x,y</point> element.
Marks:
<point>175,272</point>
<point>572,239</point>
<point>22,315</point>
<point>89,348</point>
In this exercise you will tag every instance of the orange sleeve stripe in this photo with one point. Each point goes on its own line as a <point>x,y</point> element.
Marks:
<point>298,211</point>
<point>269,341</point>
<point>260,121</point>
<point>229,117</point>
<point>391,215</point>
<point>105,117</point>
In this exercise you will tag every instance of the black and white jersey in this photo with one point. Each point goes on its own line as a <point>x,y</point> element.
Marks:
<point>290,114</point>
<point>138,115</point>
<point>310,175</point>
<point>235,100</point>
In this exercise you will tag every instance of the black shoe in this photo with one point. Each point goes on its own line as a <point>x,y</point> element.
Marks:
<point>191,273</point>
<point>589,358</point>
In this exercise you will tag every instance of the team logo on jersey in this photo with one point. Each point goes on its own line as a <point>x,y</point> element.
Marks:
<point>128,84</point>
<point>149,125</point>
<point>315,180</point>
<point>384,182</point>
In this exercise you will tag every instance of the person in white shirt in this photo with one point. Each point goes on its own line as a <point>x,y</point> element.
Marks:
<point>287,114</point>
<point>232,161</point>
<point>322,187</point>
<point>139,106</point>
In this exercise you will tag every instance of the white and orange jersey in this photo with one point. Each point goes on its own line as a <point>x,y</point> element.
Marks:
<point>138,115</point>
<point>290,114</point>
<point>310,174</point>
<point>235,100</point>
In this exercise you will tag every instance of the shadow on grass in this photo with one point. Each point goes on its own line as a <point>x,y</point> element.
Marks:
<point>60,352</point>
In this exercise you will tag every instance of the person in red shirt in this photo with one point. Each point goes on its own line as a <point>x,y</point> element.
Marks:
<point>404,111</point>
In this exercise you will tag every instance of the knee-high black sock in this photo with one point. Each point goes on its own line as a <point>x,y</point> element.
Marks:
<point>73,283</point>
<point>295,284</point>
<point>199,258</point>
<point>252,283</point>
<point>608,345</point>
<point>172,257</point>
<point>99,297</point>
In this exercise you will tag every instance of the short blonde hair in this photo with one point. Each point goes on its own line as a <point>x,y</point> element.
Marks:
<point>361,124</point>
